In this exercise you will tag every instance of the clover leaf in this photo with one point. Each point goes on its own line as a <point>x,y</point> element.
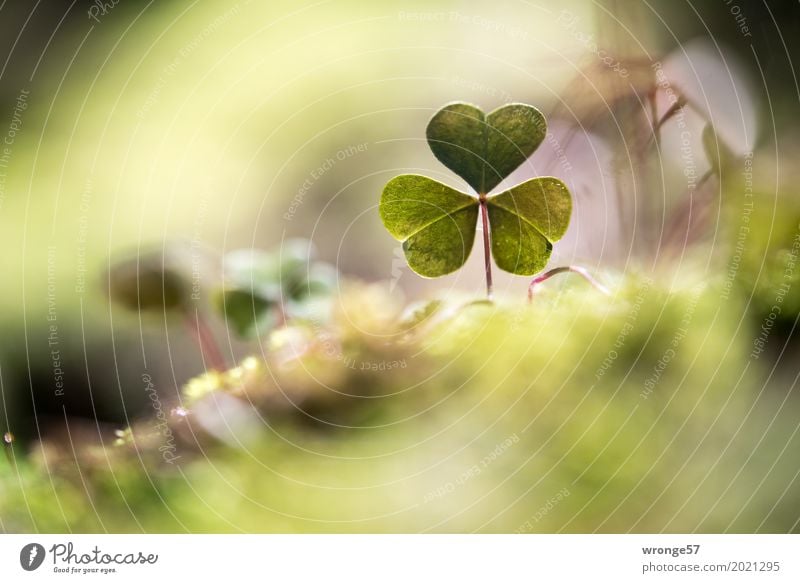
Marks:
<point>147,287</point>
<point>159,283</point>
<point>525,222</point>
<point>249,313</point>
<point>484,149</point>
<point>436,223</point>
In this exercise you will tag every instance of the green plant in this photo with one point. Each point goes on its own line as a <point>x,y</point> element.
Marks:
<point>262,289</point>
<point>437,223</point>
<point>154,282</point>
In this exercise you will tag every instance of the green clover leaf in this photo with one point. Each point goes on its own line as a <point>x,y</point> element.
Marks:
<point>436,223</point>
<point>484,149</point>
<point>525,222</point>
<point>249,313</point>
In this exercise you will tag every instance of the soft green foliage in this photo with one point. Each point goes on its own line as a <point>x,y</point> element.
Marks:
<point>248,313</point>
<point>554,397</point>
<point>262,288</point>
<point>147,283</point>
<point>436,223</point>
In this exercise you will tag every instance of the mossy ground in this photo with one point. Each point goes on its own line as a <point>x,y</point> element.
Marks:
<point>641,412</point>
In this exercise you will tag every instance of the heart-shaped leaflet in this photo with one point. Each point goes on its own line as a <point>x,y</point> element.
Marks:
<point>484,149</point>
<point>436,223</point>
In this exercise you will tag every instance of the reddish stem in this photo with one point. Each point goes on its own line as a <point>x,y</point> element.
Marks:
<point>205,340</point>
<point>487,251</point>
<point>574,269</point>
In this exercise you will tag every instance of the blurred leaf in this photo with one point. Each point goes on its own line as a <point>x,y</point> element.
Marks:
<point>253,268</point>
<point>484,149</point>
<point>141,285</point>
<point>250,314</point>
<point>526,220</point>
<point>436,223</point>
<point>262,284</point>
<point>320,280</point>
<point>294,257</point>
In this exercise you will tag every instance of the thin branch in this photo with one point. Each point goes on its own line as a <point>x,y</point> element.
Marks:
<point>571,268</point>
<point>205,340</point>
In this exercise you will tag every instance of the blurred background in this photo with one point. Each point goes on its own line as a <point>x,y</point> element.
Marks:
<point>176,132</point>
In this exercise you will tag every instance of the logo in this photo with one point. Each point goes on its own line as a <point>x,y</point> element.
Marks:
<point>31,556</point>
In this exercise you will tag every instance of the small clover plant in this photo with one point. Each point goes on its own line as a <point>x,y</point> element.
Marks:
<point>261,291</point>
<point>437,223</point>
<point>264,289</point>
<point>156,282</point>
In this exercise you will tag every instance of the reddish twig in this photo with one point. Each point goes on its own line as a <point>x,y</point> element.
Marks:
<point>574,269</point>
<point>205,340</point>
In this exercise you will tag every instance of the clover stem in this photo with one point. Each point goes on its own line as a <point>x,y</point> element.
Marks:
<point>205,340</point>
<point>574,269</point>
<point>487,252</point>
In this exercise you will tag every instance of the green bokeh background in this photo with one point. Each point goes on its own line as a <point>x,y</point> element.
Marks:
<point>190,129</point>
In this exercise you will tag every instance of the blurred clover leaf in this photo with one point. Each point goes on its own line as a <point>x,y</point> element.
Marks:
<point>158,283</point>
<point>437,223</point>
<point>263,289</point>
<point>148,282</point>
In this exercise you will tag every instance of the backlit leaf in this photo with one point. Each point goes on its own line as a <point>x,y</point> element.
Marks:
<point>525,222</point>
<point>249,314</point>
<point>484,149</point>
<point>436,223</point>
